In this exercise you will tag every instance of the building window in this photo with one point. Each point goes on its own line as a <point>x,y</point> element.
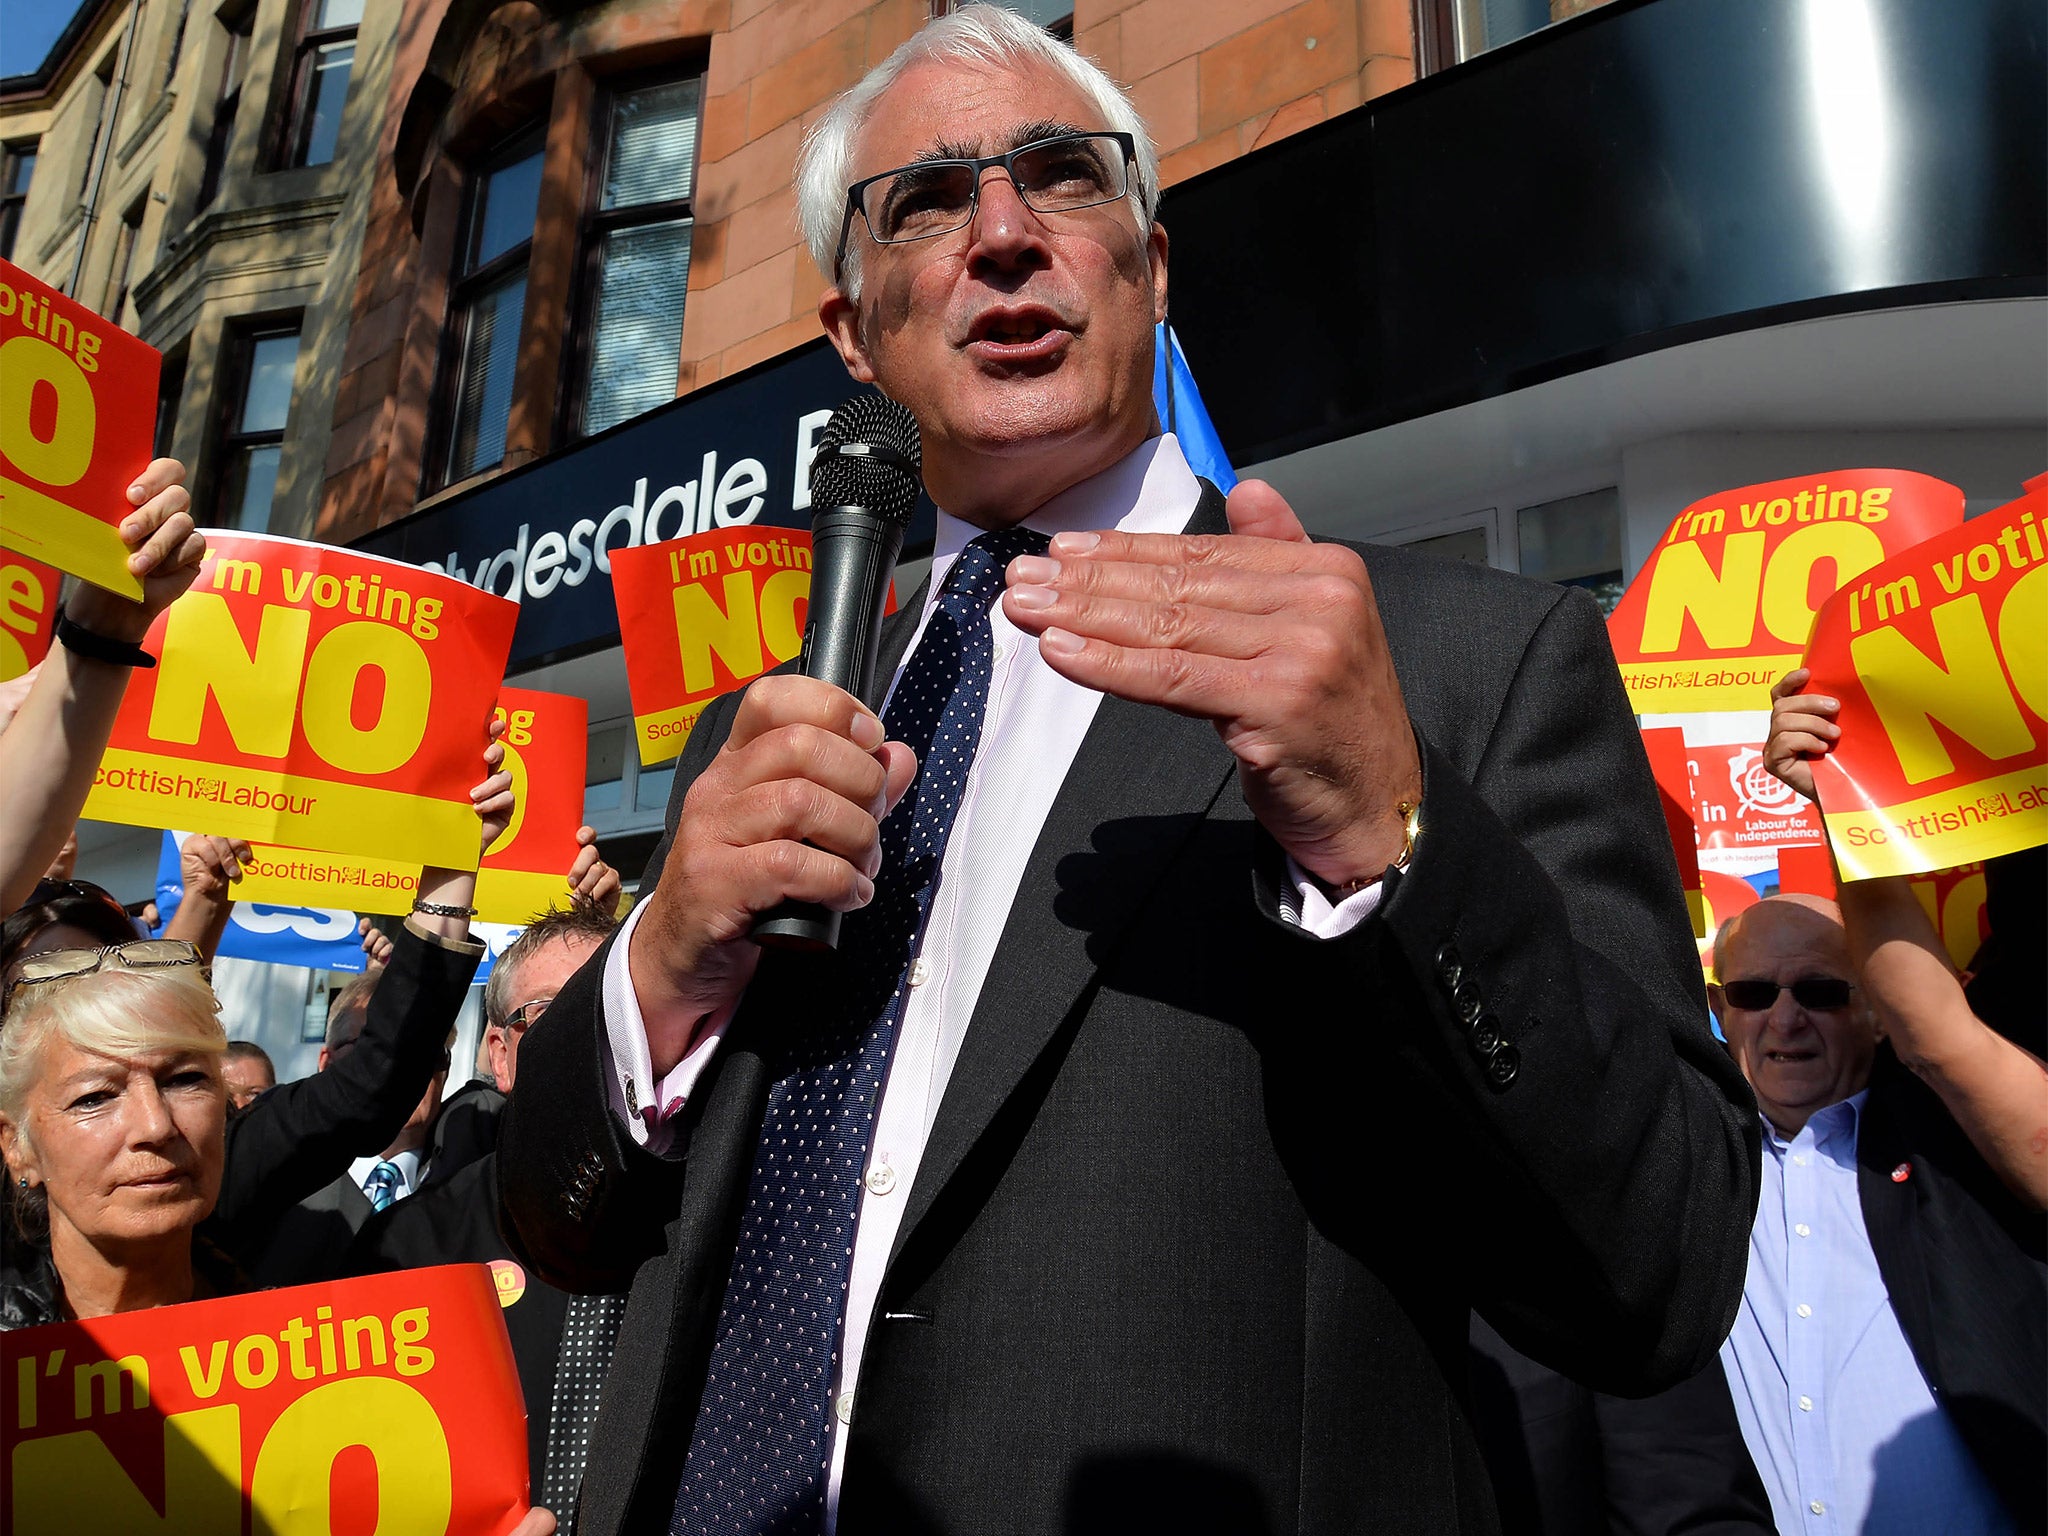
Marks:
<point>1575,542</point>
<point>17,169</point>
<point>1056,16</point>
<point>170,394</point>
<point>177,48</point>
<point>227,104</point>
<point>102,84</point>
<point>1452,31</point>
<point>262,362</point>
<point>320,72</point>
<point>126,238</point>
<point>486,306</point>
<point>636,253</point>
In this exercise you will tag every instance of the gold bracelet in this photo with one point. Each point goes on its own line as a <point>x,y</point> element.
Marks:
<point>1411,829</point>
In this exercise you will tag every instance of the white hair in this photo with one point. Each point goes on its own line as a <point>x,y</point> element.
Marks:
<point>118,1013</point>
<point>974,34</point>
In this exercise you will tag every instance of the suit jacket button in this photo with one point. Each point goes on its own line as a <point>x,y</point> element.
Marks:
<point>1502,1068</point>
<point>1467,1001</point>
<point>1486,1037</point>
<point>1450,967</point>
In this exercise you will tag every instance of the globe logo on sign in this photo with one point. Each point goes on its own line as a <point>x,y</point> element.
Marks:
<point>1758,791</point>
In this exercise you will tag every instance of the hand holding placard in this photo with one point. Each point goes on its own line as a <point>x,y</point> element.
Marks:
<point>312,697</point>
<point>1939,662</point>
<point>77,412</point>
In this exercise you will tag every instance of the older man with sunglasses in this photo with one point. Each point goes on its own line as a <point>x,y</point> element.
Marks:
<point>1888,1358</point>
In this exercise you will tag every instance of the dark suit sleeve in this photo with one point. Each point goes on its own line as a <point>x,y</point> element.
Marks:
<point>582,1203</point>
<point>1594,1168</point>
<point>301,1135</point>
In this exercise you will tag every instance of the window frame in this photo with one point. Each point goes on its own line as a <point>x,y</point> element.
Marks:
<point>295,128</point>
<point>230,441</point>
<point>127,237</point>
<point>595,224</point>
<point>227,104</point>
<point>13,199</point>
<point>436,472</point>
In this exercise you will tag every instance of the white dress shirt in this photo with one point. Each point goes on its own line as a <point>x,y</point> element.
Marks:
<point>409,1173</point>
<point>1032,729</point>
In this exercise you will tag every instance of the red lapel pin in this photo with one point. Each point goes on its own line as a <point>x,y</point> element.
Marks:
<point>1902,1173</point>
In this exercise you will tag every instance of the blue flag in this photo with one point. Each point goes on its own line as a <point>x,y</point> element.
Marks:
<point>1181,410</point>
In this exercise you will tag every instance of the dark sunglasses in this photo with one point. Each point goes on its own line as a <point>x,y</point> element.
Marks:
<point>1816,994</point>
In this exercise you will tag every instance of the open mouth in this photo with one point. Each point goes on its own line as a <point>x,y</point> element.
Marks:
<point>1791,1058</point>
<point>1019,334</point>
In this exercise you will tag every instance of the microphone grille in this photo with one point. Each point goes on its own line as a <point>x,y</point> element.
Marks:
<point>869,456</point>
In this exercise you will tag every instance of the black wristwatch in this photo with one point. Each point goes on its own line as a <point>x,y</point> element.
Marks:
<point>80,641</point>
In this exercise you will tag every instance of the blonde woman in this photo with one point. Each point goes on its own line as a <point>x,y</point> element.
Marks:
<point>112,1119</point>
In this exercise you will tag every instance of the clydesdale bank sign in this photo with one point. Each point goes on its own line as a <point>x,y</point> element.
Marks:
<point>735,453</point>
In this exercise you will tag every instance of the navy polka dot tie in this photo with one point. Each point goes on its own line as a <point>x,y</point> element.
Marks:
<point>758,1457</point>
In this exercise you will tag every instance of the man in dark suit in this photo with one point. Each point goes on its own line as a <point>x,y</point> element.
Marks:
<point>561,1344</point>
<point>1273,953</point>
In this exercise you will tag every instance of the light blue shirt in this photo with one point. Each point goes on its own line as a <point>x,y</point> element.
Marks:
<point>1844,1431</point>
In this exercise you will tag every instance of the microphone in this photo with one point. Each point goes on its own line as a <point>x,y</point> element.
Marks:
<point>864,483</point>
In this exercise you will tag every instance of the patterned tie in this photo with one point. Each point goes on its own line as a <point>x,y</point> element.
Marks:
<point>381,1187</point>
<point>589,1332</point>
<point>758,1457</point>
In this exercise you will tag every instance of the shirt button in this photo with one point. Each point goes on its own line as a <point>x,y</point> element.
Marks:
<point>920,971</point>
<point>843,1406</point>
<point>1817,1507</point>
<point>1804,1310</point>
<point>1806,1405</point>
<point>881,1179</point>
<point>1803,1230</point>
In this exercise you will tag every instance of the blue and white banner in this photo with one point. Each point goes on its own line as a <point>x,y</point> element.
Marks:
<point>1182,413</point>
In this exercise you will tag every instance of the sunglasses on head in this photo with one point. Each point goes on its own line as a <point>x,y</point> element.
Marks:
<point>70,964</point>
<point>1816,994</point>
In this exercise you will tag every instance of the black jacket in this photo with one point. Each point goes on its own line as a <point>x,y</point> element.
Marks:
<point>454,1221</point>
<point>1569,1461</point>
<point>1207,1202</point>
<point>29,1289</point>
<point>297,1139</point>
<point>1962,1259</point>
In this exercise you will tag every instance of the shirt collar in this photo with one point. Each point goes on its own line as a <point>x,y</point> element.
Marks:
<point>407,1163</point>
<point>1832,1128</point>
<point>1149,490</point>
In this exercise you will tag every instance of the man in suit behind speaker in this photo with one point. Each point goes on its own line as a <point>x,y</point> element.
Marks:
<point>1259,953</point>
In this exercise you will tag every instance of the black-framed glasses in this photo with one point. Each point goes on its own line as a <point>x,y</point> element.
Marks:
<point>70,964</point>
<point>1816,994</point>
<point>928,198</point>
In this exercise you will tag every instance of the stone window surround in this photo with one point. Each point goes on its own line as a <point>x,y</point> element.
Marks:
<point>563,90</point>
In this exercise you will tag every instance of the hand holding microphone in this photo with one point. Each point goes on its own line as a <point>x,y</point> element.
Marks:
<point>781,832</point>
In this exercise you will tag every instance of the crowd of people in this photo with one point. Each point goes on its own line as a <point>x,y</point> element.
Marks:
<point>1556,1262</point>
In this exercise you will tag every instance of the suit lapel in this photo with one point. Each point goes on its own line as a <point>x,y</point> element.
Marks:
<point>1137,765</point>
<point>897,629</point>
